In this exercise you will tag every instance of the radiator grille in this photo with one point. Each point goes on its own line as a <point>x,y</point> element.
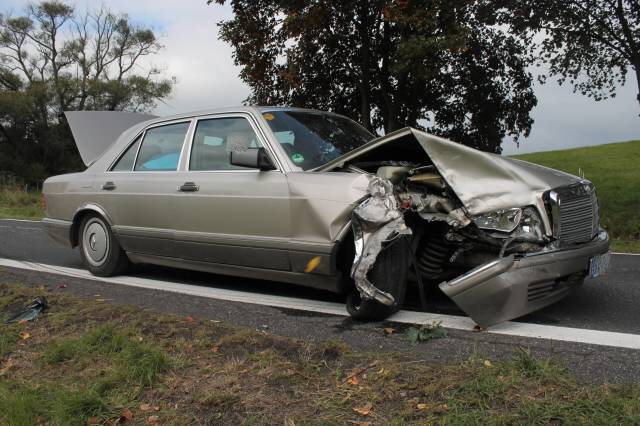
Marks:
<point>577,213</point>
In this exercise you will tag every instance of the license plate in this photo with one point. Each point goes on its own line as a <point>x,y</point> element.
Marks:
<point>598,264</point>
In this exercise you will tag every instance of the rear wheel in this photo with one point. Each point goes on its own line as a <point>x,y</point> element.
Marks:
<point>100,251</point>
<point>389,274</point>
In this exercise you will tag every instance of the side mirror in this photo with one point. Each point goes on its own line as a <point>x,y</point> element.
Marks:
<point>255,158</point>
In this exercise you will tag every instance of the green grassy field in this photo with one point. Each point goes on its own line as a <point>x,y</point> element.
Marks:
<point>615,170</point>
<point>88,362</point>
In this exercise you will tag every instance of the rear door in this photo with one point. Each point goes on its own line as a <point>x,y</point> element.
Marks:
<point>227,214</point>
<point>139,188</point>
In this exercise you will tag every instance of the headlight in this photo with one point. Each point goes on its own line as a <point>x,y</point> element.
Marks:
<point>530,228</point>
<point>503,220</point>
<point>520,223</point>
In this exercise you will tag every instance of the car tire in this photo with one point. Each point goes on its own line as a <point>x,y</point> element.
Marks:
<point>99,249</point>
<point>389,274</point>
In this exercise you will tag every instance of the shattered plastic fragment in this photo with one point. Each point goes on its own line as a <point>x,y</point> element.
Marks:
<point>30,312</point>
<point>376,221</point>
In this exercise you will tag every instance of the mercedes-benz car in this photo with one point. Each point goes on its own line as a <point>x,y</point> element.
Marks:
<point>313,198</point>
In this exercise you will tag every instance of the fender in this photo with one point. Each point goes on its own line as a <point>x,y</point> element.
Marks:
<point>80,211</point>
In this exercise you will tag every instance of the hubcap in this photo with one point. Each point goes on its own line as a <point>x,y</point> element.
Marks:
<point>95,242</point>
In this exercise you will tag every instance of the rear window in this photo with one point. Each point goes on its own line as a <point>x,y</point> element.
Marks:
<point>125,163</point>
<point>161,146</point>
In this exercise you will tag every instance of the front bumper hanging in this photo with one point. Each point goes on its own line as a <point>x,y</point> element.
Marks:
<point>511,286</point>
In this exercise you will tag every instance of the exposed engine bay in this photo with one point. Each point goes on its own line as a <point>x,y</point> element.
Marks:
<point>409,197</point>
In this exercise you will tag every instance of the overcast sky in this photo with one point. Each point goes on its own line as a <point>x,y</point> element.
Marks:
<point>207,78</point>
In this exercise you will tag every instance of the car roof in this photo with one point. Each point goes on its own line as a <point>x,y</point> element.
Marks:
<point>241,108</point>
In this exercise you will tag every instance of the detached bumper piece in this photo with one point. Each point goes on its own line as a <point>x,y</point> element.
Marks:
<point>511,286</point>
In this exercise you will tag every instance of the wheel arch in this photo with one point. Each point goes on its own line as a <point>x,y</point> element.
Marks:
<point>80,214</point>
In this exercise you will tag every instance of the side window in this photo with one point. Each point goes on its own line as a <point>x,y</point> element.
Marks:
<point>160,150</point>
<point>215,138</point>
<point>125,163</point>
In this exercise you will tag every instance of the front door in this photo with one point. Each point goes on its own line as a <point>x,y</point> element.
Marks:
<point>229,214</point>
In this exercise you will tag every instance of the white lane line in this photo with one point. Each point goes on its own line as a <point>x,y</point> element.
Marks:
<point>20,227</point>
<point>550,332</point>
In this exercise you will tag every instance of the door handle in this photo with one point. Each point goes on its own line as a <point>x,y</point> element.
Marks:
<point>188,187</point>
<point>109,186</point>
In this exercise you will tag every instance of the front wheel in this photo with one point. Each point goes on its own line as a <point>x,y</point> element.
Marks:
<point>389,274</point>
<point>100,251</point>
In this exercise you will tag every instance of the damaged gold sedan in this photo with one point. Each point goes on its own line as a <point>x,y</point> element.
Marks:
<point>313,198</point>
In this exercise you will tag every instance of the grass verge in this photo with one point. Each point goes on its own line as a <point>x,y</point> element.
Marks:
<point>95,363</point>
<point>613,169</point>
<point>15,203</point>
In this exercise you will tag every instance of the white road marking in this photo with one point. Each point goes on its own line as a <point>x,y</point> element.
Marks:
<point>19,220</point>
<point>20,227</point>
<point>550,332</point>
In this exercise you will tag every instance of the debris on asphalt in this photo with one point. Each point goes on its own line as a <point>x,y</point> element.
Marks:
<point>426,332</point>
<point>29,312</point>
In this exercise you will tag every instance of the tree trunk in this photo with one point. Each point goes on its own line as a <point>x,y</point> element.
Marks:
<point>365,88</point>
<point>636,68</point>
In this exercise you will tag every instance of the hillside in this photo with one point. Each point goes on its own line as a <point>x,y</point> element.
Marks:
<point>615,170</point>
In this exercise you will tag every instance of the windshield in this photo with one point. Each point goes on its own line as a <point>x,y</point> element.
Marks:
<point>312,139</point>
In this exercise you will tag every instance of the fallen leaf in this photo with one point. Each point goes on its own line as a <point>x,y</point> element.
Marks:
<point>365,410</point>
<point>41,287</point>
<point>215,349</point>
<point>442,408</point>
<point>6,367</point>
<point>94,421</point>
<point>153,419</point>
<point>156,408</point>
<point>145,407</point>
<point>40,421</point>
<point>487,363</point>
<point>23,321</point>
<point>189,318</point>
<point>389,330</point>
<point>140,338</point>
<point>126,415</point>
<point>477,328</point>
<point>353,380</point>
<point>422,406</point>
<point>62,286</point>
<point>24,335</point>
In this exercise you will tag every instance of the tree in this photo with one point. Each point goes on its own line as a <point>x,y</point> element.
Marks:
<point>442,65</point>
<point>54,60</point>
<point>591,43</point>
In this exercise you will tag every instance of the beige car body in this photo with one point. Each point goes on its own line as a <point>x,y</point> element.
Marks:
<point>274,224</point>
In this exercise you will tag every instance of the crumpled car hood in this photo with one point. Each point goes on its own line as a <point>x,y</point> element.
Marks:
<point>483,182</point>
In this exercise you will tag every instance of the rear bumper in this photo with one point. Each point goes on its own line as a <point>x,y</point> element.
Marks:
<point>511,286</point>
<point>58,230</point>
